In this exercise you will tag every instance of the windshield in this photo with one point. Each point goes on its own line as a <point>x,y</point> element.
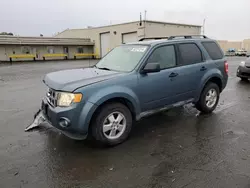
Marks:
<point>123,58</point>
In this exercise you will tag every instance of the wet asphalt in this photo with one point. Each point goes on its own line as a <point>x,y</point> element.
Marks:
<point>179,148</point>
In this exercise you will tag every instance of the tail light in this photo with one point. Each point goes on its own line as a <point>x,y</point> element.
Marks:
<point>226,67</point>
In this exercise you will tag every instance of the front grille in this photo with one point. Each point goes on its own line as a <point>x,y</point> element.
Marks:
<point>51,97</point>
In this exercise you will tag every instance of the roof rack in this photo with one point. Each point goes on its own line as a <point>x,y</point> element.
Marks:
<point>187,37</point>
<point>153,38</point>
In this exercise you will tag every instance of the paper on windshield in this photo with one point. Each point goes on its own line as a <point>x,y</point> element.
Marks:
<point>138,49</point>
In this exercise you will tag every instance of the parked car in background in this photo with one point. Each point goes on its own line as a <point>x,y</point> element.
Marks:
<point>241,53</point>
<point>230,52</point>
<point>243,70</point>
<point>248,53</point>
<point>133,81</point>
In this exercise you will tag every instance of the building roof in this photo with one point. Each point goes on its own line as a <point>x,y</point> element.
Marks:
<point>148,21</point>
<point>14,40</point>
<point>172,23</point>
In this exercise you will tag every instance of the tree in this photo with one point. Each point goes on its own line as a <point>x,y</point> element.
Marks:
<point>6,33</point>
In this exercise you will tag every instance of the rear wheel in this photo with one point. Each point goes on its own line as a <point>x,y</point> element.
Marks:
<point>112,124</point>
<point>209,98</point>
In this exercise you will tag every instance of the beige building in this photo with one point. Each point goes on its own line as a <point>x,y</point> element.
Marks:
<point>246,44</point>
<point>44,48</point>
<point>107,37</point>
<point>225,44</point>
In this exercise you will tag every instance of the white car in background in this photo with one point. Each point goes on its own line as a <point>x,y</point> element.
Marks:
<point>248,53</point>
<point>241,53</point>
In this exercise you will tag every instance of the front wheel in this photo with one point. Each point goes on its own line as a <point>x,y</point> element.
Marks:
<point>112,124</point>
<point>209,98</point>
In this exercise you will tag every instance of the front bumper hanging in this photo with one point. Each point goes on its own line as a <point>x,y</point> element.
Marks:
<point>39,118</point>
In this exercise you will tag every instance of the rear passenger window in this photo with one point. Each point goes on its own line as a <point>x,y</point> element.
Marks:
<point>190,54</point>
<point>165,56</point>
<point>213,50</point>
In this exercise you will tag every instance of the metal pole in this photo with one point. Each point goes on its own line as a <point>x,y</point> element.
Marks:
<point>204,21</point>
<point>145,17</point>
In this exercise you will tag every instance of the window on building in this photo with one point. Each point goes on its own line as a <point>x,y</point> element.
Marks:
<point>51,50</point>
<point>190,54</point>
<point>213,50</point>
<point>26,49</point>
<point>165,56</point>
<point>80,50</point>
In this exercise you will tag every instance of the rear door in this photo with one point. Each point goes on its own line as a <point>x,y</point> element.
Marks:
<point>192,67</point>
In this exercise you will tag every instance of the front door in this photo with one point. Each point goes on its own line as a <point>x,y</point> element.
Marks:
<point>66,51</point>
<point>155,90</point>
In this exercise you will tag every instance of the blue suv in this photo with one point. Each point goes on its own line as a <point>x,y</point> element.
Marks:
<point>133,81</point>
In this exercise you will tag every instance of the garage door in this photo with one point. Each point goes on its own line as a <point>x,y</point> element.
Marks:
<point>105,43</point>
<point>129,37</point>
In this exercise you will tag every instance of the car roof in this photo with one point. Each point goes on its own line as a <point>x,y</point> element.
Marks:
<point>160,41</point>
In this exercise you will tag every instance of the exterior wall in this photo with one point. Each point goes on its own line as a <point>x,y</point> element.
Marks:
<point>152,29</point>
<point>166,30</point>
<point>116,32</point>
<point>246,44</point>
<point>39,51</point>
<point>225,45</point>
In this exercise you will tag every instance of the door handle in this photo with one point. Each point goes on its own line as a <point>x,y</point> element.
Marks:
<point>203,68</point>
<point>173,74</point>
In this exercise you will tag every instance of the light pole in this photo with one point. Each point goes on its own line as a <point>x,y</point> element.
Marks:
<point>204,21</point>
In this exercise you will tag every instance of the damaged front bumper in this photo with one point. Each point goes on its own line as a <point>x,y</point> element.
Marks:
<point>58,118</point>
<point>39,118</point>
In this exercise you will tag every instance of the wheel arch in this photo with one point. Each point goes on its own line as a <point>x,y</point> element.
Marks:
<point>121,95</point>
<point>214,78</point>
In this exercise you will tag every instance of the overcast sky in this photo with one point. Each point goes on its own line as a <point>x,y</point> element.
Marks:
<point>225,19</point>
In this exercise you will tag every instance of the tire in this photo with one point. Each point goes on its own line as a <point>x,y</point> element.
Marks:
<point>203,105</point>
<point>244,79</point>
<point>103,117</point>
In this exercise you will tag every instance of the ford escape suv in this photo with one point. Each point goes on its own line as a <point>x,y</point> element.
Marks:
<point>133,81</point>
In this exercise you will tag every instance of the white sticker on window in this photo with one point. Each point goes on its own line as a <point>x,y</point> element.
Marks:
<point>141,49</point>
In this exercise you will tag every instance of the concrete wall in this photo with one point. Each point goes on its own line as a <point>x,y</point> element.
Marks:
<point>225,45</point>
<point>39,51</point>
<point>116,32</point>
<point>166,30</point>
<point>152,29</point>
<point>246,44</point>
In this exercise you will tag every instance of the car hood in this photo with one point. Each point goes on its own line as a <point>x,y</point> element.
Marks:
<point>70,80</point>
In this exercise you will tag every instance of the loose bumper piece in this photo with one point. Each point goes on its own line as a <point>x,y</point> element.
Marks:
<point>38,119</point>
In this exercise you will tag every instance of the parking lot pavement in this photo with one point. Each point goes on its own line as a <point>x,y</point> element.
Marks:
<point>179,148</point>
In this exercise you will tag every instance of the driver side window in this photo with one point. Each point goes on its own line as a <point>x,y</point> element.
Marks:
<point>165,56</point>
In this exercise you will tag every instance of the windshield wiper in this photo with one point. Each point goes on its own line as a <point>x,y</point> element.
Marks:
<point>103,68</point>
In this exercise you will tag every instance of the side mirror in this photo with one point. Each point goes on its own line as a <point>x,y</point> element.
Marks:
<point>151,67</point>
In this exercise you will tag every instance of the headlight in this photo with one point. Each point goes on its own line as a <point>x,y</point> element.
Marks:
<point>242,64</point>
<point>66,99</point>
